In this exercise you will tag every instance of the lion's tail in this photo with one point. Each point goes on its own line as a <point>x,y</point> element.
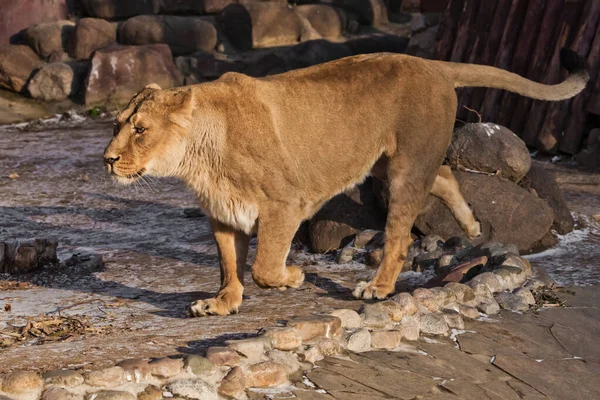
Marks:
<point>491,77</point>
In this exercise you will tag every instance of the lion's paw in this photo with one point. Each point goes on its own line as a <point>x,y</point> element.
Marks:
<point>224,304</point>
<point>368,291</point>
<point>295,276</point>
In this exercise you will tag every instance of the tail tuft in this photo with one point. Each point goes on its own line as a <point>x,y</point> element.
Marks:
<point>572,61</point>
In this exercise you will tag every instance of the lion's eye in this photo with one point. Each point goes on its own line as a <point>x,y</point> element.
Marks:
<point>139,130</point>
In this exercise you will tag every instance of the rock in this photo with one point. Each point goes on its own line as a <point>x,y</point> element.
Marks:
<point>369,12</point>
<point>234,384</point>
<point>257,25</point>
<point>368,237</point>
<point>463,293</point>
<point>432,300</point>
<point>512,302</point>
<point>287,359</point>
<point>223,356</point>
<point>508,213</point>
<point>313,354</point>
<point>193,389</point>
<point>107,377</point>
<point>52,82</point>
<point>17,62</point>
<point>409,328</point>
<point>454,320</point>
<point>489,148</point>
<point>488,279</point>
<point>91,34</point>
<point>349,318</point>
<point>311,327</point>
<point>459,273</point>
<point>526,295</point>
<point>425,261</point>
<point>518,262</point>
<point>468,311</point>
<point>19,15</point>
<point>590,156</point>
<point>266,374</point>
<point>199,366</point>
<point>489,307</point>
<point>282,338</point>
<point>360,341</point>
<point>374,258</point>
<point>253,348</point>
<point>182,34</point>
<point>385,339</point>
<point>378,44</point>
<point>379,315</point>
<point>108,9</point>
<point>25,259</point>
<point>22,383</point>
<point>58,393</point>
<point>328,347</point>
<point>114,395</point>
<point>433,324</point>
<point>166,367</point>
<point>151,393</point>
<point>510,277</point>
<point>457,243</point>
<point>543,183</point>
<point>345,255</point>
<point>407,303</point>
<point>205,66</point>
<point>431,243</point>
<point>117,73</point>
<point>49,37</point>
<point>422,44</point>
<point>323,18</point>
<point>63,378</point>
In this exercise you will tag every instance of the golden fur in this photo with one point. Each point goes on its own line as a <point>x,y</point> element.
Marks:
<point>262,155</point>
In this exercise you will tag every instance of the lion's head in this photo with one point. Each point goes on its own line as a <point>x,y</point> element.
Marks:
<point>150,134</point>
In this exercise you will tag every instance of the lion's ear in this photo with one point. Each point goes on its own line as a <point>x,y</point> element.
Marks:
<point>154,86</point>
<point>183,115</point>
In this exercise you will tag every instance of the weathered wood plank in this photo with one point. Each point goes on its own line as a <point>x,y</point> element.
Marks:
<point>447,30</point>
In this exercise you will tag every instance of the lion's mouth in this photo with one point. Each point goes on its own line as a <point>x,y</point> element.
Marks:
<point>138,174</point>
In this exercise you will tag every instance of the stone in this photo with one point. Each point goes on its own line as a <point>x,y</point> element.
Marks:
<point>526,295</point>
<point>508,213</point>
<point>433,324</point>
<point>323,18</point>
<point>486,278</point>
<point>409,328</point>
<point>445,263</point>
<point>512,302</point>
<point>19,15</point>
<point>114,395</point>
<point>108,9</point>
<point>360,341</point>
<point>369,12</point>
<point>205,66</point>
<point>431,243</point>
<point>312,354</point>
<point>432,300</point>
<point>52,82</point>
<point>234,384</point>
<point>64,378</point>
<point>117,73</point>
<point>282,338</point>
<point>253,349</point>
<point>58,393</point>
<point>193,389</point>
<point>91,34</point>
<point>17,62</point>
<point>426,260</point>
<point>349,318</point>
<point>545,186</point>
<point>489,148</point>
<point>374,258</point>
<point>311,327</point>
<point>258,25</point>
<point>151,392</point>
<point>510,277</point>
<point>407,303</point>
<point>285,358</point>
<point>25,259</point>
<point>368,238</point>
<point>463,293</point>
<point>385,339</point>
<point>328,347</point>
<point>345,255</point>
<point>453,319</point>
<point>49,37</point>
<point>518,262</point>
<point>22,383</point>
<point>489,307</point>
<point>265,375</point>
<point>166,367</point>
<point>223,356</point>
<point>468,311</point>
<point>107,377</point>
<point>381,313</point>
<point>200,366</point>
<point>136,369</point>
<point>198,34</point>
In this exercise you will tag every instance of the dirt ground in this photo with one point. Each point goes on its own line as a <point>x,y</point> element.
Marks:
<point>158,256</point>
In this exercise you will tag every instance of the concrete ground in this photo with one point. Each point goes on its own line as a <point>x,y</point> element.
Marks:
<point>159,256</point>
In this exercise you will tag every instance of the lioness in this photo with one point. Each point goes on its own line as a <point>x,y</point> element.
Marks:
<point>262,155</point>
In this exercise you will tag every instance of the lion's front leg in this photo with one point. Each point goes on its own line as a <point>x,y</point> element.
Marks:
<point>233,251</point>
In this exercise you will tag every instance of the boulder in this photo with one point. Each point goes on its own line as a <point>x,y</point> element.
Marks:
<point>90,35</point>
<point>17,62</point>
<point>17,15</point>
<point>342,217</point>
<point>323,18</point>
<point>119,9</point>
<point>543,183</point>
<point>369,12</point>
<point>590,156</point>
<point>378,44</point>
<point>52,82</point>
<point>193,6</point>
<point>205,66</point>
<point>184,35</point>
<point>117,73</point>
<point>49,37</point>
<point>489,148</point>
<point>508,213</point>
<point>257,25</point>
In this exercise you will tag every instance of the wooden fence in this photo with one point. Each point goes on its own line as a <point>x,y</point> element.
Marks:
<point>525,36</point>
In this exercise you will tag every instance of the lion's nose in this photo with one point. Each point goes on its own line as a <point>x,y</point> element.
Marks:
<point>111,160</point>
